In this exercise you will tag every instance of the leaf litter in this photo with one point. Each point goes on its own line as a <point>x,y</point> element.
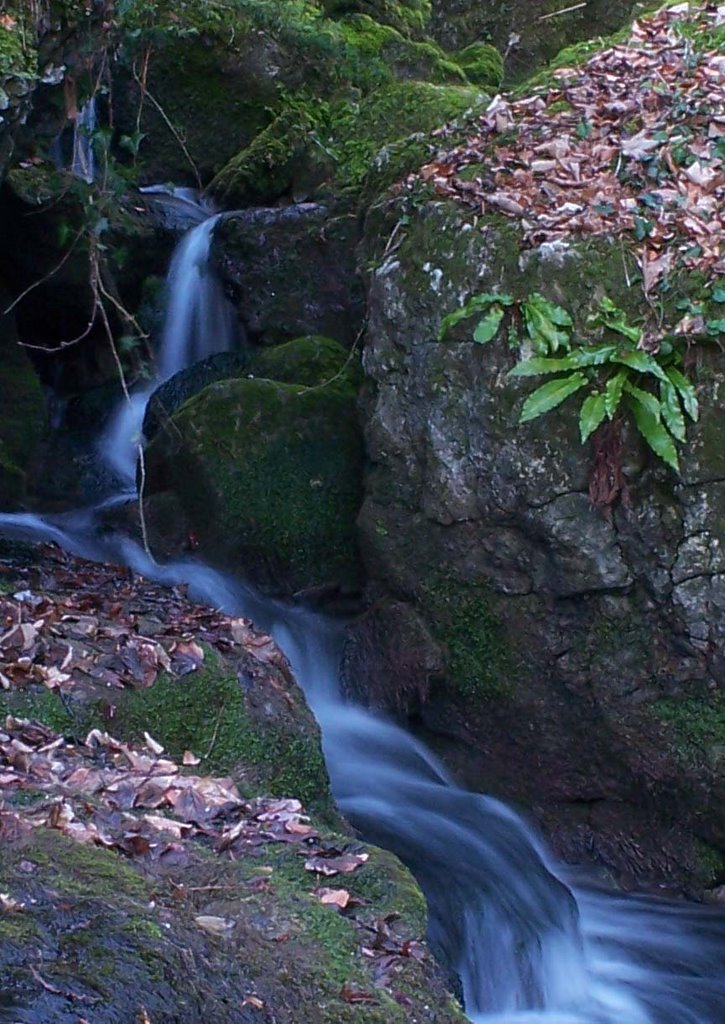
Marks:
<point>632,142</point>
<point>82,622</point>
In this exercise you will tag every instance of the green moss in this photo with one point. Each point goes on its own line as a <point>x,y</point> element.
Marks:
<point>409,17</point>
<point>269,475</point>
<point>482,65</point>
<point>205,711</point>
<point>709,863</point>
<point>697,728</point>
<point>39,704</point>
<point>313,360</point>
<point>265,170</point>
<point>18,58</point>
<point>463,618</point>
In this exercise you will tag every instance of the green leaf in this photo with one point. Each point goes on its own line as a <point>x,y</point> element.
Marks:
<point>476,304</point>
<point>654,434</point>
<point>645,398</point>
<point>672,410</point>
<point>613,392</point>
<point>540,365</point>
<point>577,359</point>
<point>591,415</point>
<point>642,362</point>
<point>642,228</point>
<point>718,295</point>
<point>686,391</point>
<point>543,318</point>
<point>611,316</point>
<point>548,396</point>
<point>489,325</point>
<point>715,326</point>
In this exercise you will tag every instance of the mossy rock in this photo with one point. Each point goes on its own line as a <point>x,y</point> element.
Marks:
<point>312,361</point>
<point>239,717</point>
<point>459,23</point>
<point>119,939</point>
<point>410,17</point>
<point>482,64</point>
<point>269,476</point>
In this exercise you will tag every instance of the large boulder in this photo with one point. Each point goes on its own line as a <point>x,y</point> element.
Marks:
<point>529,32</point>
<point>165,872</point>
<point>268,473</point>
<point>566,655</point>
<point>292,271</point>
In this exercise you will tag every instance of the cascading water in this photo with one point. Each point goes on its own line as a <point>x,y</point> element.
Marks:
<point>199,322</point>
<point>83,161</point>
<point>530,944</point>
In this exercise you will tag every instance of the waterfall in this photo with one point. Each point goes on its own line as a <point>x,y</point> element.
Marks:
<point>199,322</point>
<point>83,161</point>
<point>529,941</point>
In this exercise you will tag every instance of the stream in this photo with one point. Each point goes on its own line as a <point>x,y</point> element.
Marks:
<point>532,941</point>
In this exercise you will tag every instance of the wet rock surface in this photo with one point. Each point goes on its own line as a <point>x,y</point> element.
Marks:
<point>569,636</point>
<point>139,882</point>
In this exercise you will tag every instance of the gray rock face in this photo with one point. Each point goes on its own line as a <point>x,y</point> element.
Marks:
<point>292,271</point>
<point>568,633</point>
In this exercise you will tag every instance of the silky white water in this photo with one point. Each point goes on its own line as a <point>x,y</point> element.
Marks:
<point>530,943</point>
<point>199,322</point>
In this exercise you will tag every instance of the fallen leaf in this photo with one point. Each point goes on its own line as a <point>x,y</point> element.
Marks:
<point>219,926</point>
<point>333,897</point>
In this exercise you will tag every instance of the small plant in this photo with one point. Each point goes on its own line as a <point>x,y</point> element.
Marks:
<point>616,375</point>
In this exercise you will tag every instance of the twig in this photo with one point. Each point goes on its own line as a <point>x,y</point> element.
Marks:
<point>173,130</point>
<point>141,507</point>
<point>216,731</point>
<point>75,997</point>
<point>46,277</point>
<point>564,10</point>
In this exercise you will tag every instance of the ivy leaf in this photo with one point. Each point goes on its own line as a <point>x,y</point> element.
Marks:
<point>592,413</point>
<point>687,392</point>
<point>654,434</point>
<point>642,362</point>
<point>476,304</point>
<point>672,410</point>
<point>645,398</point>
<point>613,393</point>
<point>543,318</point>
<point>489,325</point>
<point>548,396</point>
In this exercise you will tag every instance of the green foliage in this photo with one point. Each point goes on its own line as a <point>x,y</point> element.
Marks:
<point>482,64</point>
<point>616,374</point>
<point>465,620</point>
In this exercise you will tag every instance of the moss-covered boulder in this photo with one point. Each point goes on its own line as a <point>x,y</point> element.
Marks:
<point>529,32</point>
<point>269,473</point>
<point>123,904</point>
<point>550,631</point>
<point>318,147</point>
<point>482,64</point>
<point>410,17</point>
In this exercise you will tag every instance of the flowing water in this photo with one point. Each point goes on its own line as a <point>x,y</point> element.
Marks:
<point>83,161</point>
<point>200,321</point>
<point>530,942</point>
